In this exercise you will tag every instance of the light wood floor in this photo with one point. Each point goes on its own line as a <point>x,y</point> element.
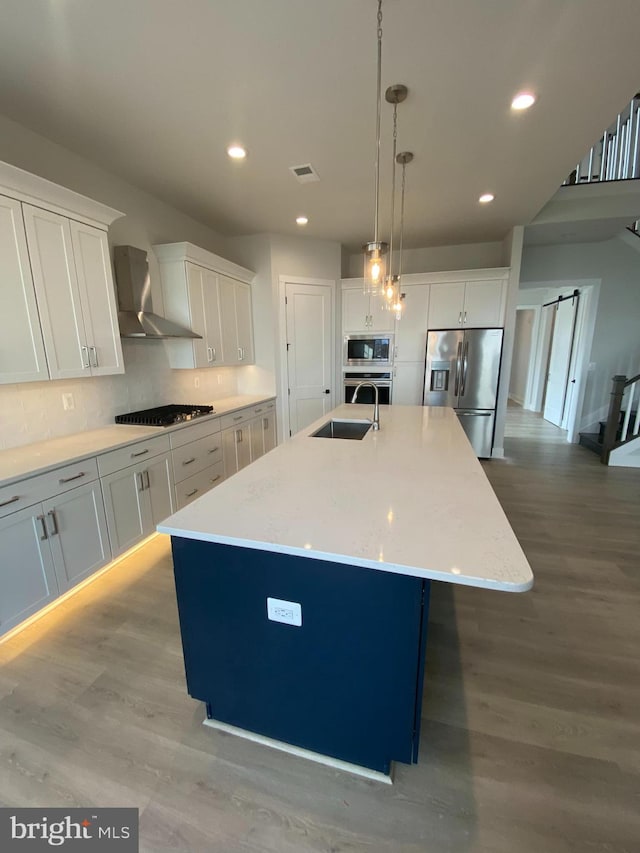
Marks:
<point>531,728</point>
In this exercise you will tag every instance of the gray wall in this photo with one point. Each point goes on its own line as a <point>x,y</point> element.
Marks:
<point>521,354</point>
<point>616,341</point>
<point>470,256</point>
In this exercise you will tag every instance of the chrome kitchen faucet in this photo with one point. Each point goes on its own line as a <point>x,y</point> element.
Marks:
<point>376,405</point>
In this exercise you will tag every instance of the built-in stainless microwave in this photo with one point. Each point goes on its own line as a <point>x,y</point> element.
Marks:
<point>368,350</point>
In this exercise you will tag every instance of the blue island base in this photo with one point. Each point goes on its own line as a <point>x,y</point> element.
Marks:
<point>346,683</point>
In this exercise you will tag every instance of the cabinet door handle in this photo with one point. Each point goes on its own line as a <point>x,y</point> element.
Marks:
<point>147,481</point>
<point>465,317</point>
<point>140,453</point>
<point>11,500</point>
<point>85,357</point>
<point>140,481</point>
<point>213,353</point>
<point>239,353</point>
<point>45,535</point>
<point>238,418</point>
<point>209,356</point>
<point>257,411</point>
<point>70,479</point>
<point>191,494</point>
<point>215,479</point>
<point>460,318</point>
<point>54,521</point>
<point>95,356</point>
<point>265,423</point>
<point>238,436</point>
<point>189,461</point>
<point>214,449</point>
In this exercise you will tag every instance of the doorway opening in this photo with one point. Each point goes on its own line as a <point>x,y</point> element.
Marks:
<point>554,329</point>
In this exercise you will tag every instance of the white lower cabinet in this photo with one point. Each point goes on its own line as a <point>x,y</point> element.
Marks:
<point>77,532</point>
<point>49,548</point>
<point>247,435</point>
<point>408,378</point>
<point>236,447</point>
<point>196,452</point>
<point>27,576</point>
<point>196,485</point>
<point>136,499</point>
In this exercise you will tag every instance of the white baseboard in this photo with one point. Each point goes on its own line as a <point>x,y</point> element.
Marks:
<point>301,753</point>
<point>497,453</point>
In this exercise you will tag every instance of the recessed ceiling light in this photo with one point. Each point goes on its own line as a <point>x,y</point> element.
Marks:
<point>486,198</point>
<point>301,220</point>
<point>523,100</point>
<point>236,152</point>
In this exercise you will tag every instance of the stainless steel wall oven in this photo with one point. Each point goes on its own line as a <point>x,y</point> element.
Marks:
<point>383,380</point>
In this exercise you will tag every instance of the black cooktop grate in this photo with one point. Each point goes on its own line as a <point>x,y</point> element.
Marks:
<point>164,415</point>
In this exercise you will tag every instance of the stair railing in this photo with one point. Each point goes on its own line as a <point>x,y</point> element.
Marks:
<point>616,155</point>
<point>611,440</point>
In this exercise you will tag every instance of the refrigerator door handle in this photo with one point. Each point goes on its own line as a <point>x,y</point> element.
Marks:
<point>465,365</point>
<point>458,365</point>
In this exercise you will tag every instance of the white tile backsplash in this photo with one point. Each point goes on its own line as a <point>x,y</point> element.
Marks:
<point>33,411</point>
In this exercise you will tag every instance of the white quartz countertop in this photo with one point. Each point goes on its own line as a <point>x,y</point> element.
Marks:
<point>31,459</point>
<point>411,498</point>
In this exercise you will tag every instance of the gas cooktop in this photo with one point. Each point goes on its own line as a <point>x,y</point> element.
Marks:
<point>164,416</point>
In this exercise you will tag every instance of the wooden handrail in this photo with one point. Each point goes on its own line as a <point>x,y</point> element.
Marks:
<point>632,380</point>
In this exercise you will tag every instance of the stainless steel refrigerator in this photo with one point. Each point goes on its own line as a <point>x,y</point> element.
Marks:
<point>462,371</point>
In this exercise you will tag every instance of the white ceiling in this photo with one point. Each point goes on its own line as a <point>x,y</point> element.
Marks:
<point>154,90</point>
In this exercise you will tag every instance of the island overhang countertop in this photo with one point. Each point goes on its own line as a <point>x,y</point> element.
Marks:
<point>411,498</point>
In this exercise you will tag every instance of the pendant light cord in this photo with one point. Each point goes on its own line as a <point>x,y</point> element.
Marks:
<point>404,169</point>
<point>379,109</point>
<point>393,186</point>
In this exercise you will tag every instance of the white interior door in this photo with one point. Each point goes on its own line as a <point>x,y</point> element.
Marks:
<point>309,348</point>
<point>559,361</point>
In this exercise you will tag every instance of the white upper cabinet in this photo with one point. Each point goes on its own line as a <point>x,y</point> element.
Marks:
<point>474,303</point>
<point>190,294</point>
<point>76,299</point>
<point>411,330</point>
<point>211,296</point>
<point>244,322</point>
<point>237,326</point>
<point>97,298</point>
<point>57,285</point>
<point>22,357</point>
<point>362,312</point>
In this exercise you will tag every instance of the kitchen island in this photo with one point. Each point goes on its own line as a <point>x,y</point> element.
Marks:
<point>303,581</point>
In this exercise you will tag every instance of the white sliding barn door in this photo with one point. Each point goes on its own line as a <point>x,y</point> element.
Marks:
<point>560,360</point>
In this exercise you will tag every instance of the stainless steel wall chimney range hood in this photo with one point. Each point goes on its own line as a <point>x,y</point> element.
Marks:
<point>135,316</point>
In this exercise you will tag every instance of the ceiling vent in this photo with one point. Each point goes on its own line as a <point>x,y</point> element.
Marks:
<point>304,174</point>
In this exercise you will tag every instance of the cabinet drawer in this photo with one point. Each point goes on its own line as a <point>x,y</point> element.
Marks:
<point>195,486</point>
<point>196,456</point>
<point>115,460</point>
<point>35,489</point>
<point>194,431</point>
<point>239,417</point>
<point>261,408</point>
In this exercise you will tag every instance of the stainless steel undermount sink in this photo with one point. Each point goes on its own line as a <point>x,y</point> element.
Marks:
<point>343,428</point>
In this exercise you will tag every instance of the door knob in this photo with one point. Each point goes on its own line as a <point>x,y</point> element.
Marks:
<point>327,390</point>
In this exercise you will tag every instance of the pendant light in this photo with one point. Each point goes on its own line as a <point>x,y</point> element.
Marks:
<point>395,95</point>
<point>375,250</point>
<point>397,304</point>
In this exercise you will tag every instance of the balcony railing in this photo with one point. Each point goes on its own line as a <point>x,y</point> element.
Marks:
<point>616,155</point>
